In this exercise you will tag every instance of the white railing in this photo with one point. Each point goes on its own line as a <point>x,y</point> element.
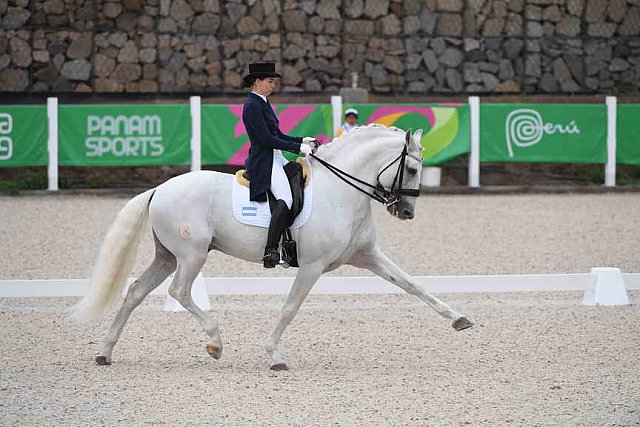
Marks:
<point>600,279</point>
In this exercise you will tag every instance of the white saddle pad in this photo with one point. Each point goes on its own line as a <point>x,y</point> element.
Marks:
<point>258,213</point>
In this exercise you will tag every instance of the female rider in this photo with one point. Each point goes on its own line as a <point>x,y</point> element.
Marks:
<point>265,162</point>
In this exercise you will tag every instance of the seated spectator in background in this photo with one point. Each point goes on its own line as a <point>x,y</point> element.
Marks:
<point>350,121</point>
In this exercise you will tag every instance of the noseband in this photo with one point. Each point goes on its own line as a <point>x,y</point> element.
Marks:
<point>380,194</point>
<point>392,195</point>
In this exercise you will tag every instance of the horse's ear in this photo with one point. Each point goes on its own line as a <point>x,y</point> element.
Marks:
<point>417,137</point>
<point>407,137</point>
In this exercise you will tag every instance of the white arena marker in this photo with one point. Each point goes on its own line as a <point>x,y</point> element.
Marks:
<point>609,288</point>
<point>198,293</point>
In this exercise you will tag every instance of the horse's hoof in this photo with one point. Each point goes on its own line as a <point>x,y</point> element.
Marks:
<point>214,351</point>
<point>461,324</point>
<point>103,360</point>
<point>279,367</point>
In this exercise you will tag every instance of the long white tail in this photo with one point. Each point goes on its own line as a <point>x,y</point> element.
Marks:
<point>115,260</point>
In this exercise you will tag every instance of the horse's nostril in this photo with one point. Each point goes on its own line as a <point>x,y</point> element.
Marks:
<point>407,213</point>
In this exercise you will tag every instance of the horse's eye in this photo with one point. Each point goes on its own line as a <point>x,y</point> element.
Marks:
<point>412,171</point>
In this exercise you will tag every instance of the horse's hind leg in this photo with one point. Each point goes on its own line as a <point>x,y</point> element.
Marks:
<point>163,264</point>
<point>377,262</point>
<point>304,281</point>
<point>180,289</point>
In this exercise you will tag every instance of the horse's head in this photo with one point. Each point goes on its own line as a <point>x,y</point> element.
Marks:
<point>402,177</point>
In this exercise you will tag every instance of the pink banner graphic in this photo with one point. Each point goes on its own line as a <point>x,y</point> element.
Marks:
<point>290,117</point>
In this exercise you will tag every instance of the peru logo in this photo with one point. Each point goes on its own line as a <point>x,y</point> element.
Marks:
<point>6,143</point>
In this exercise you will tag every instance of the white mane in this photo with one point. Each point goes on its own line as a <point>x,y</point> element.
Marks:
<point>357,131</point>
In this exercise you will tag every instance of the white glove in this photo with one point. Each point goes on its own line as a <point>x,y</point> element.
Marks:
<point>305,149</point>
<point>309,139</point>
<point>312,142</point>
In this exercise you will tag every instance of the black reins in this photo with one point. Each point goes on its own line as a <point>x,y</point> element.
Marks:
<point>379,193</point>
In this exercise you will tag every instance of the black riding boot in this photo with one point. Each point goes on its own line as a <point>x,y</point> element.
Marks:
<point>279,220</point>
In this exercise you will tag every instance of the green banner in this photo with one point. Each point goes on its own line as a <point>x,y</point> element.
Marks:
<point>543,133</point>
<point>23,135</point>
<point>131,135</point>
<point>446,128</point>
<point>225,140</point>
<point>124,135</point>
<point>628,135</point>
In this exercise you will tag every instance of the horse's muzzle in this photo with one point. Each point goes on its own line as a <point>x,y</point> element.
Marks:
<point>403,213</point>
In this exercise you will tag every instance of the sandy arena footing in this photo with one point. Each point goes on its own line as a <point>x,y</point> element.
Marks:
<point>531,359</point>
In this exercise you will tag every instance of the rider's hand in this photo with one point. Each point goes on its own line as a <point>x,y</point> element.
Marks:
<point>309,140</point>
<point>314,143</point>
<point>305,149</point>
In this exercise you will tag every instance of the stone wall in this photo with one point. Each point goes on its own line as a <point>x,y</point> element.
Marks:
<point>400,47</point>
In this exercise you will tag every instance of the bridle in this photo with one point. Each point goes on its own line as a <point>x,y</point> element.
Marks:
<point>380,194</point>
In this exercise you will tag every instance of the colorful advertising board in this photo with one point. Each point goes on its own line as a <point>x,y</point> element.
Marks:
<point>136,134</point>
<point>225,140</point>
<point>446,127</point>
<point>543,133</point>
<point>23,135</point>
<point>124,135</point>
<point>628,134</point>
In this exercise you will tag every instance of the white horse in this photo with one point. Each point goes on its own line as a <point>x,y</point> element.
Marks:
<point>191,215</point>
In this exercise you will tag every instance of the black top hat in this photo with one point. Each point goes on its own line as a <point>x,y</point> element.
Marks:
<point>260,70</point>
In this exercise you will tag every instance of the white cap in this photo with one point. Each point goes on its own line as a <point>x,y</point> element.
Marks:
<point>351,111</point>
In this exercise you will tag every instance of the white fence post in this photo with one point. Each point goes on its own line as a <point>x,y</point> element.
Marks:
<point>196,134</point>
<point>431,176</point>
<point>52,143</point>
<point>610,168</point>
<point>336,104</point>
<point>474,156</point>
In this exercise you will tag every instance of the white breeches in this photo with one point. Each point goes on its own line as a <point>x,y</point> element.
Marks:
<point>279,182</point>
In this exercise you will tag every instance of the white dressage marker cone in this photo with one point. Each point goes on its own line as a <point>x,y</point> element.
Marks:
<point>609,288</point>
<point>198,293</point>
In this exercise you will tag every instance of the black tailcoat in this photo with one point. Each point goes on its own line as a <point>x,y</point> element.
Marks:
<point>263,129</point>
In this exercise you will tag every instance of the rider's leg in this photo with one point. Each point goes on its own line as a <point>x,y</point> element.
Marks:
<point>279,220</point>
<point>280,183</point>
<point>280,216</point>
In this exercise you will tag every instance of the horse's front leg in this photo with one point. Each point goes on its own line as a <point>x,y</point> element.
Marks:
<point>304,281</point>
<point>377,262</point>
